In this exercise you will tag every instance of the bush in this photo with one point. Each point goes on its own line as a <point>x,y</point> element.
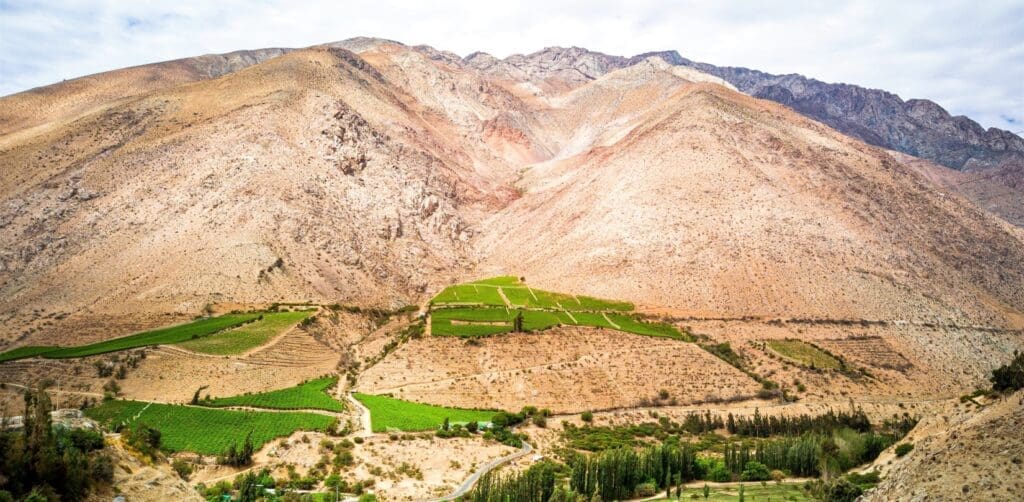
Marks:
<point>648,489</point>
<point>183,468</point>
<point>903,449</point>
<point>842,491</point>
<point>540,421</point>
<point>587,417</point>
<point>755,471</point>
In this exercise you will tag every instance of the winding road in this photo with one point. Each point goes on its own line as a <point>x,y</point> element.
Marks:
<point>467,485</point>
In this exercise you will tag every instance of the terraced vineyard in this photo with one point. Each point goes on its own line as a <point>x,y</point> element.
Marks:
<point>244,338</point>
<point>311,395</point>
<point>387,413</point>
<point>805,353</point>
<point>479,309</point>
<point>169,335</point>
<point>204,430</point>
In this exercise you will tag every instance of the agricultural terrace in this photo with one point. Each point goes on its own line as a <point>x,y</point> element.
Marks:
<point>805,353</point>
<point>490,307</point>
<point>387,413</point>
<point>161,336</point>
<point>311,395</point>
<point>247,337</point>
<point>203,430</point>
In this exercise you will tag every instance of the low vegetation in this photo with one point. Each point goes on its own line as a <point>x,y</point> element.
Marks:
<point>204,430</point>
<point>311,395</point>
<point>387,413</point>
<point>162,336</point>
<point>486,321</point>
<point>244,338</point>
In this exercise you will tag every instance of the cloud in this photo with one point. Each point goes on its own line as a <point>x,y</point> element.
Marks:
<point>966,55</point>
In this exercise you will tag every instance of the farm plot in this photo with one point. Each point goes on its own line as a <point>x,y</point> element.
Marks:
<point>203,430</point>
<point>387,413</point>
<point>472,322</point>
<point>244,338</point>
<point>23,352</point>
<point>486,292</point>
<point>311,395</point>
<point>805,353</point>
<point>169,335</point>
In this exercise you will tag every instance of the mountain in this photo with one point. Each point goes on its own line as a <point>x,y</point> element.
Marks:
<point>372,174</point>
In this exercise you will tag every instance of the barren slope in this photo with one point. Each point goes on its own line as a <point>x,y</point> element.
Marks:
<point>717,202</point>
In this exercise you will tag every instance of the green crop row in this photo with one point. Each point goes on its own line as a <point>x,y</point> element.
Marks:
<point>388,413</point>
<point>311,395</point>
<point>483,321</point>
<point>204,430</point>
<point>161,336</point>
<point>486,292</point>
<point>244,338</point>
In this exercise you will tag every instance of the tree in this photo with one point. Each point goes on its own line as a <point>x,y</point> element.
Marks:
<point>742,498</point>
<point>517,322</point>
<point>587,417</point>
<point>472,427</point>
<point>446,425</point>
<point>755,471</point>
<point>1009,377</point>
<point>195,397</point>
<point>707,491</point>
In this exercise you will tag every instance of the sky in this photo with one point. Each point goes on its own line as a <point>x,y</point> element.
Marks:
<point>968,56</point>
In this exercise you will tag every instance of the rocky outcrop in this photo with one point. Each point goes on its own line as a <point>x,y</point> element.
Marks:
<point>918,127</point>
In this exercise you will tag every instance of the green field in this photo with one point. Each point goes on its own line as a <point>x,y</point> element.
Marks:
<point>752,491</point>
<point>244,338</point>
<point>311,395</point>
<point>485,321</point>
<point>805,353</point>
<point>204,430</point>
<point>169,335</point>
<point>23,352</point>
<point>486,293</point>
<point>388,413</point>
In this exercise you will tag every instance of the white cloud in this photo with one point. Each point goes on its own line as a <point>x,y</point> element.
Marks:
<point>966,55</point>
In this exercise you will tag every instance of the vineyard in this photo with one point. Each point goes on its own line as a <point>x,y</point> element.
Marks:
<point>169,335</point>
<point>541,309</point>
<point>805,353</point>
<point>311,395</point>
<point>388,413</point>
<point>203,430</point>
<point>489,292</point>
<point>244,338</point>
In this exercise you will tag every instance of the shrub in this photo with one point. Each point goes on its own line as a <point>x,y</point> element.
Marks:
<point>540,421</point>
<point>648,489</point>
<point>755,471</point>
<point>903,449</point>
<point>842,491</point>
<point>183,468</point>
<point>587,417</point>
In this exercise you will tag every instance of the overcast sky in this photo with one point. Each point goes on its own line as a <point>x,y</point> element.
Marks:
<point>966,55</point>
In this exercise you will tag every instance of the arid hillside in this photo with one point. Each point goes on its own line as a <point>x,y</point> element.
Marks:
<point>377,177</point>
